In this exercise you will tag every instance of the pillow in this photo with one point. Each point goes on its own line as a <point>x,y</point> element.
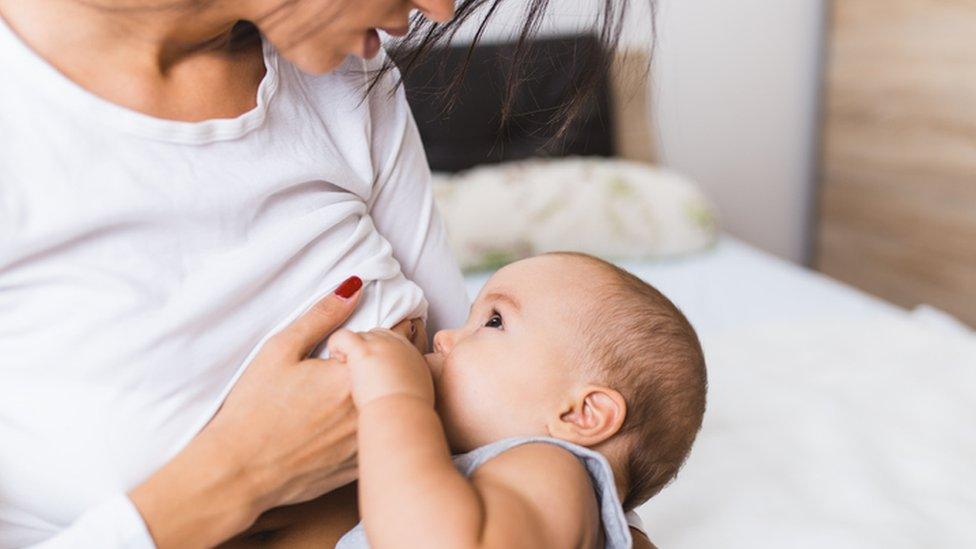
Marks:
<point>610,208</point>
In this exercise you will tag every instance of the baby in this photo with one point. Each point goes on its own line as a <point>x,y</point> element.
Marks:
<point>575,388</point>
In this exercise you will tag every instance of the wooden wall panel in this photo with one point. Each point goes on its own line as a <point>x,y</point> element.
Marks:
<point>629,93</point>
<point>898,189</point>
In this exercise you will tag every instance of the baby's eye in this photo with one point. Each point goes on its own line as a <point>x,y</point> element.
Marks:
<point>494,321</point>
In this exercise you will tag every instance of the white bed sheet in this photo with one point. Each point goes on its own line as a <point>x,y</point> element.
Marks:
<point>834,419</point>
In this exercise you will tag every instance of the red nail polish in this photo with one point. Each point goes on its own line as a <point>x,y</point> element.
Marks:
<point>350,286</point>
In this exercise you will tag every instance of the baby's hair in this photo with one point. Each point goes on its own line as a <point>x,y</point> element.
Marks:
<point>645,348</point>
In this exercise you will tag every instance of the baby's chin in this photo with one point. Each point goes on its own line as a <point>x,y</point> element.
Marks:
<point>456,440</point>
<point>435,361</point>
<point>460,428</point>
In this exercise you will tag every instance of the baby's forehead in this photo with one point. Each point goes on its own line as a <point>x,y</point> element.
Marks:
<point>550,279</point>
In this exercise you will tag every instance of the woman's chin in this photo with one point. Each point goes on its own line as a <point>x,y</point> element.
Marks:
<point>315,62</point>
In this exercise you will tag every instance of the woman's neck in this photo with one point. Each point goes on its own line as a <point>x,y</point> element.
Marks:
<point>166,62</point>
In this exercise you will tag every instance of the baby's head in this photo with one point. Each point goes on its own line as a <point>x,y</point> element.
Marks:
<point>569,346</point>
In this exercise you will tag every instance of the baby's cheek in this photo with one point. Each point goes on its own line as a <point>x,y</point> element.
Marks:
<point>450,399</point>
<point>468,410</point>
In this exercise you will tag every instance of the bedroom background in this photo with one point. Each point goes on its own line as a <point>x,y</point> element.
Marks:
<point>810,138</point>
<point>733,102</point>
<point>804,158</point>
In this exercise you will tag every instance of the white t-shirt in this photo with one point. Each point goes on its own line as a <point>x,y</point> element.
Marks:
<point>143,261</point>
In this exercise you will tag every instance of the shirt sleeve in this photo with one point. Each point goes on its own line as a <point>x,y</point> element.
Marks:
<point>115,524</point>
<point>403,210</point>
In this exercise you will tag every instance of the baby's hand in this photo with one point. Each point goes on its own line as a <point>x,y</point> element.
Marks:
<point>382,363</point>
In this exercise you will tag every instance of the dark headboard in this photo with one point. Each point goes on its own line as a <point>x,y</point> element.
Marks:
<point>469,134</point>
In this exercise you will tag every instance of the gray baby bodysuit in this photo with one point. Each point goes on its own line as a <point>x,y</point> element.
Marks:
<point>615,529</point>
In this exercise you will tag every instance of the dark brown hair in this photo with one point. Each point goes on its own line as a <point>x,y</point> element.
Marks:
<point>644,347</point>
<point>424,35</point>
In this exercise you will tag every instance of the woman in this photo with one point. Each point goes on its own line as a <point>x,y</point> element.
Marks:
<point>171,195</point>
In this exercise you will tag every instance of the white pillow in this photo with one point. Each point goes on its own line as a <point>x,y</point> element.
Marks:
<point>615,209</point>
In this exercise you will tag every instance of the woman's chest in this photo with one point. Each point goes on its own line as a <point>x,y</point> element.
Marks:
<point>130,294</point>
<point>136,237</point>
<point>208,200</point>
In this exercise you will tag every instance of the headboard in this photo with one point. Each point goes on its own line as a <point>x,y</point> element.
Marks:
<point>469,133</point>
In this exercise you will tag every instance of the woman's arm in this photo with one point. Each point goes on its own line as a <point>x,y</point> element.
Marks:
<point>638,532</point>
<point>286,433</point>
<point>200,497</point>
<point>641,541</point>
<point>116,523</point>
<point>403,210</point>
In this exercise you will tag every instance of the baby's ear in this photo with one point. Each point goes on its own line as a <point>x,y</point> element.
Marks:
<point>590,417</point>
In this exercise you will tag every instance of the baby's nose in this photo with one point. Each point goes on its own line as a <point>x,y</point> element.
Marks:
<point>444,341</point>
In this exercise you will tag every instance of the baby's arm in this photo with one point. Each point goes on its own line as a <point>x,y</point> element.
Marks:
<point>412,496</point>
<point>410,493</point>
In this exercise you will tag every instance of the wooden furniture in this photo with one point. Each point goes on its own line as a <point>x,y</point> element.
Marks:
<point>630,103</point>
<point>898,190</point>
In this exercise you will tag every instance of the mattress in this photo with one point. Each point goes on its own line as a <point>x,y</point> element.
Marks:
<point>834,419</point>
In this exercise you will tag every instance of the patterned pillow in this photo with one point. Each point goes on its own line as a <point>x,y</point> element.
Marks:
<point>610,208</point>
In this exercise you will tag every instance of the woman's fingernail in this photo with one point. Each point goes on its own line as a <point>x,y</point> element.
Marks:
<point>350,286</point>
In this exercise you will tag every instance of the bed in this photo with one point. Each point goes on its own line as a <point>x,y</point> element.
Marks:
<point>834,419</point>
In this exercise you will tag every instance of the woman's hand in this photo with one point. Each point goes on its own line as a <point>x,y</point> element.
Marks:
<point>285,434</point>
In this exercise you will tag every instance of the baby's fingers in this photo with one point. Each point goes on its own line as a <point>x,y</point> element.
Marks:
<point>385,334</point>
<point>346,344</point>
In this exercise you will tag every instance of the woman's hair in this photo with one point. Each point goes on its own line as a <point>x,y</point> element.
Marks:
<point>592,63</point>
<point>408,52</point>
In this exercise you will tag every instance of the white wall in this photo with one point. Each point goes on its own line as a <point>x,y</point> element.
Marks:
<point>735,102</point>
